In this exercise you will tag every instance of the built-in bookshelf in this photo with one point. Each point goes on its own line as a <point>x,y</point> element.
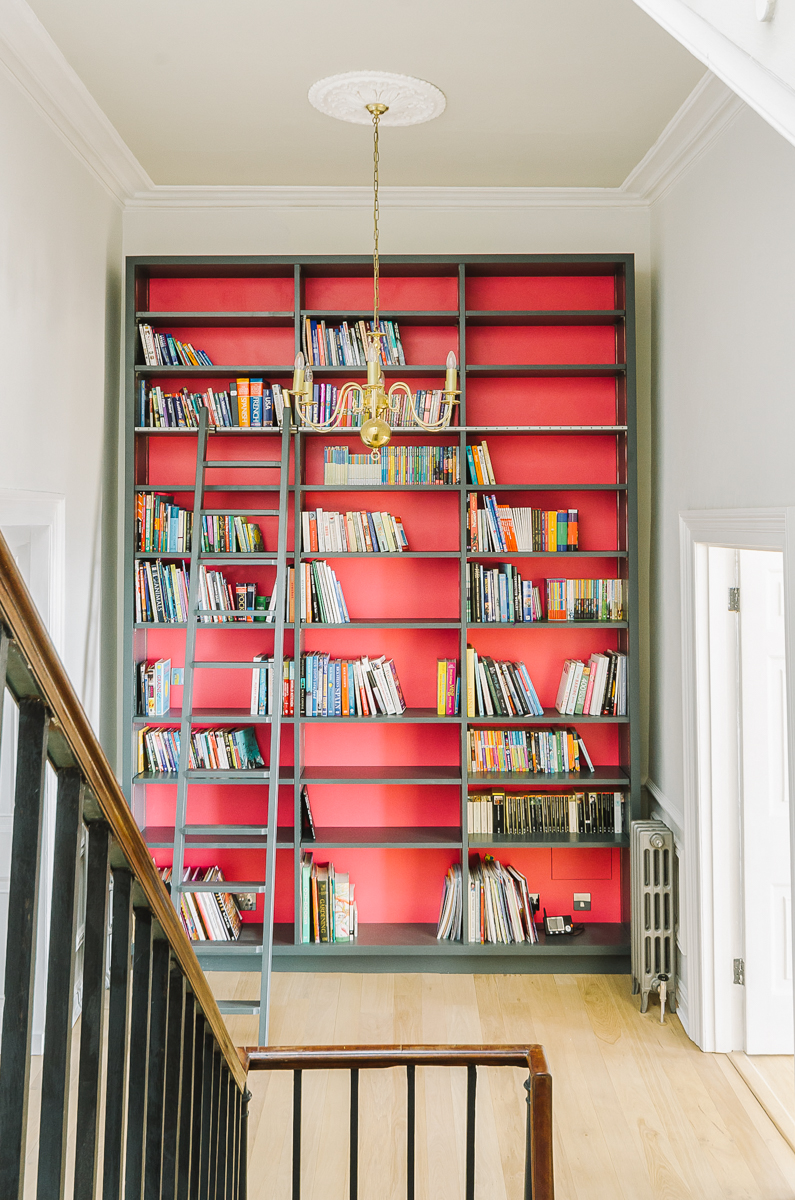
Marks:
<point>546,348</point>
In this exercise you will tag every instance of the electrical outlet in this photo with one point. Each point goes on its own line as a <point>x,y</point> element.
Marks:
<point>535,901</point>
<point>582,901</point>
<point>177,676</point>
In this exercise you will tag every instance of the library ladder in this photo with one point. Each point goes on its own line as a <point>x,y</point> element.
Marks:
<point>270,775</point>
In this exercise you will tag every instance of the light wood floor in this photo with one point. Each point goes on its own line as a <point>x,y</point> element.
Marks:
<point>640,1113</point>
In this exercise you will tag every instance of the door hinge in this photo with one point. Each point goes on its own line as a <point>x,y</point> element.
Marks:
<point>739,971</point>
<point>734,599</point>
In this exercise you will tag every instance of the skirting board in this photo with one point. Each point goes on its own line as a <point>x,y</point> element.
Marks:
<point>783,1120</point>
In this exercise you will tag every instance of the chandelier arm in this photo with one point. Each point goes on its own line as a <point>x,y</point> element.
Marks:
<point>333,421</point>
<point>431,426</point>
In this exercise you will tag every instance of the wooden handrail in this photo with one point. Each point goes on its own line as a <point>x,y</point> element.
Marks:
<point>34,668</point>
<point>338,1058</point>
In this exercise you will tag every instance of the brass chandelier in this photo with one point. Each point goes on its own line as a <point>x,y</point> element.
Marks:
<point>371,400</point>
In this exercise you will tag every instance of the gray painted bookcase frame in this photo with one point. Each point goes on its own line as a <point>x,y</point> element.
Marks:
<point>602,947</point>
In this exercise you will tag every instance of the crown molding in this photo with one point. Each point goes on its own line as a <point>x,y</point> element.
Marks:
<point>767,93</point>
<point>34,62</point>
<point>435,198</point>
<point>706,112</point>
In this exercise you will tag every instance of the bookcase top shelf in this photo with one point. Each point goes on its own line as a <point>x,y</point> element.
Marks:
<point>501,307</point>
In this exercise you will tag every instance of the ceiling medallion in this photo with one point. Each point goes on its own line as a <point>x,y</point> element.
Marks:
<point>375,97</point>
<point>409,101</point>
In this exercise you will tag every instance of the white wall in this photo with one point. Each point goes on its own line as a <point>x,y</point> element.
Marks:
<point>60,265</point>
<point>723,411</point>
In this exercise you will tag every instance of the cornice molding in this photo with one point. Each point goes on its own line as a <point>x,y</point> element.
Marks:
<point>706,112</point>
<point>34,62</point>
<point>766,93</point>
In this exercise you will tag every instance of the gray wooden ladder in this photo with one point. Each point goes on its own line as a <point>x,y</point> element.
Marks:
<point>214,836</point>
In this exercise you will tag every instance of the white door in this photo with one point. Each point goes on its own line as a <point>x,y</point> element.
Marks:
<point>765,806</point>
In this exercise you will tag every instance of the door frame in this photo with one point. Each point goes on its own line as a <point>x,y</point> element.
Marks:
<point>740,529</point>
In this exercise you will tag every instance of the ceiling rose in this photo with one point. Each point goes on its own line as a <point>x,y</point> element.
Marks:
<point>409,101</point>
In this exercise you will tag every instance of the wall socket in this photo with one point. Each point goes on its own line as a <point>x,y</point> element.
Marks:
<point>582,901</point>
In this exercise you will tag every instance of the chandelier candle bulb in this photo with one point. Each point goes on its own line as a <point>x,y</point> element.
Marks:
<point>452,374</point>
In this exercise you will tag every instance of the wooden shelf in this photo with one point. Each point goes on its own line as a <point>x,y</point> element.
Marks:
<point>217,319</point>
<point>417,837</point>
<point>543,370</point>
<point>585,841</point>
<point>527,316</point>
<point>364,774</point>
<point>217,837</point>
<point>596,780</point>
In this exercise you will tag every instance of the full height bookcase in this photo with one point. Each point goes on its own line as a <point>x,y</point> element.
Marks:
<point>547,352</point>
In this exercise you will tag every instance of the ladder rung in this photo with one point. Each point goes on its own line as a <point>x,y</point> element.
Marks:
<point>264,560</point>
<point>239,1008</point>
<point>227,666</point>
<point>268,464</point>
<point>219,885</point>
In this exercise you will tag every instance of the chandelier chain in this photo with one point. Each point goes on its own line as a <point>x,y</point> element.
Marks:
<point>376,261</point>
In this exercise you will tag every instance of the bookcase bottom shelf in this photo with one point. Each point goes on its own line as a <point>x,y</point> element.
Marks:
<point>603,948</point>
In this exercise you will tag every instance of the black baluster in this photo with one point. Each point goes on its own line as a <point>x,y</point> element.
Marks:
<point>60,987</point>
<point>223,1114</point>
<point>197,1117</point>
<point>242,1169</point>
<point>203,1191</point>
<point>297,1084</point>
<point>231,1139</point>
<point>118,1018</point>
<point>21,945</point>
<point>158,1018</point>
<point>186,1102</point>
<point>472,1080</point>
<point>215,1125</point>
<point>354,1153</point>
<point>4,640</point>
<point>172,1111</point>
<point>95,942</point>
<point>139,1056</point>
<point>410,1128</point>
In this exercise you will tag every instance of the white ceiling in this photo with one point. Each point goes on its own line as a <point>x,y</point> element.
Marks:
<point>554,93</point>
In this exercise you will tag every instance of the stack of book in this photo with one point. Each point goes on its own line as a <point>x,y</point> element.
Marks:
<point>328,908</point>
<point>499,529</point>
<point>153,688</point>
<point>207,916</point>
<point>264,690</point>
<point>404,465</point>
<point>164,350</point>
<point>500,908</point>
<point>231,535</point>
<point>597,688</point>
<point>479,465</point>
<point>346,345</point>
<point>249,403</point>
<point>352,532</point>
<point>364,687</point>
<point>522,752</point>
<point>515,814</point>
<point>210,749</point>
<point>499,689</point>
<point>161,526</point>
<point>161,593</point>
<point>501,596</point>
<point>448,687</point>
<point>322,599</point>
<point>586,599</point>
<point>451,916</point>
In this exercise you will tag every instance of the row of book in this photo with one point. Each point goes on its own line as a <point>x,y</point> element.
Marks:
<point>501,911</point>
<point>516,814</point>
<point>264,688</point>
<point>352,532</point>
<point>248,404</point>
<point>346,345</point>
<point>479,464</point>
<point>207,916</point>
<point>428,404</point>
<point>161,526</point>
<point>153,688</point>
<point>586,599</point>
<point>448,687</point>
<point>361,687</point>
<point>328,907</point>
<point>499,529</point>
<point>527,751</point>
<point>164,350</point>
<point>499,595</point>
<point>322,598</point>
<point>210,750</point>
<point>597,688</point>
<point>231,535</point>
<point>161,593</point>
<point>499,689</point>
<point>394,465</point>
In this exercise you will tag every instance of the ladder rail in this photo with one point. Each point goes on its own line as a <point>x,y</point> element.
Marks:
<point>180,816</point>
<point>276,727</point>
